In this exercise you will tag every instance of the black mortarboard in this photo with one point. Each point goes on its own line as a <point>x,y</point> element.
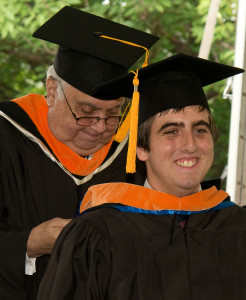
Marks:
<point>86,60</point>
<point>174,82</point>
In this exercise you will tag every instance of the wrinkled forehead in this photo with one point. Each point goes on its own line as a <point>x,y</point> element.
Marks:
<point>78,97</point>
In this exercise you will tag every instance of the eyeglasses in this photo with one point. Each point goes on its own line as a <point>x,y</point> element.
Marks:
<point>88,121</point>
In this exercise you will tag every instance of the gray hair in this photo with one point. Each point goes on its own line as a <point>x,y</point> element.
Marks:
<point>51,73</point>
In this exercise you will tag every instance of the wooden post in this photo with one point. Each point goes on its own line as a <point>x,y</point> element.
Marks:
<point>240,189</point>
<point>208,33</point>
<point>236,177</point>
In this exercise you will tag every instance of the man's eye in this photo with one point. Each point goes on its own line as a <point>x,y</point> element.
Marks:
<point>112,113</point>
<point>85,109</point>
<point>201,130</point>
<point>170,132</point>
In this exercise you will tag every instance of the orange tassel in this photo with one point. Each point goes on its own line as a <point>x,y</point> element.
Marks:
<point>131,120</point>
<point>123,127</point>
<point>131,155</point>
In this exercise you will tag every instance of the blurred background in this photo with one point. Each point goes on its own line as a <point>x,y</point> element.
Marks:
<point>179,24</point>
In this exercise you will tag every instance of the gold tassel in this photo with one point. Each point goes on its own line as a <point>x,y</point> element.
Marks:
<point>123,127</point>
<point>132,146</point>
<point>131,44</point>
<point>131,120</point>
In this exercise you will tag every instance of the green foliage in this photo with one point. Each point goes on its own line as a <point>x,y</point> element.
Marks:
<point>179,24</point>
<point>24,60</point>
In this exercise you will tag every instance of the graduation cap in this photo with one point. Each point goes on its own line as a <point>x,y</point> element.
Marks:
<point>92,50</point>
<point>175,82</point>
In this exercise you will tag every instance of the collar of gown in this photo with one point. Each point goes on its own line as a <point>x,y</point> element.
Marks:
<point>36,107</point>
<point>148,199</point>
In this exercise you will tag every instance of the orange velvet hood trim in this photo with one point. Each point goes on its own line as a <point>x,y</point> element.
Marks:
<point>36,107</point>
<point>145,198</point>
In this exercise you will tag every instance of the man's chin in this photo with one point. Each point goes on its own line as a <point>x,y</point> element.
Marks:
<point>190,188</point>
<point>91,147</point>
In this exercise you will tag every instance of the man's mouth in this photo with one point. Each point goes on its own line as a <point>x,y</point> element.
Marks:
<point>187,163</point>
<point>93,135</point>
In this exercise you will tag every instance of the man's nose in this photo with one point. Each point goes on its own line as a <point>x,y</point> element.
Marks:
<point>99,126</point>
<point>189,142</point>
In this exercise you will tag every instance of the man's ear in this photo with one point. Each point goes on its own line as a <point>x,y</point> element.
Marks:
<point>142,154</point>
<point>51,86</point>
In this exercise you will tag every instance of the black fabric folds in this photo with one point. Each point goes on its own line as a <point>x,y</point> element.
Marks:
<point>108,254</point>
<point>34,189</point>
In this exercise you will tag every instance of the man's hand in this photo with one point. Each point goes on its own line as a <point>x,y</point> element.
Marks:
<point>42,237</point>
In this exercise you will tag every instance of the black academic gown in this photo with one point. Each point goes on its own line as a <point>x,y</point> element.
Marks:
<point>109,254</point>
<point>34,189</point>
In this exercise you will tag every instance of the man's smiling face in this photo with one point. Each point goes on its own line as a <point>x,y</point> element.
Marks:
<point>181,151</point>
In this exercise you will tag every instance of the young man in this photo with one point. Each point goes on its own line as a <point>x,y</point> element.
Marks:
<point>168,239</point>
<point>54,148</point>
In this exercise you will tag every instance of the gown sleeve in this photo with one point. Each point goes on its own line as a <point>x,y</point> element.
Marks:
<point>79,266</point>
<point>12,256</point>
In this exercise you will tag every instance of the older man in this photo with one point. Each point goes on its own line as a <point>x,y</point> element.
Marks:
<point>168,239</point>
<point>54,148</point>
